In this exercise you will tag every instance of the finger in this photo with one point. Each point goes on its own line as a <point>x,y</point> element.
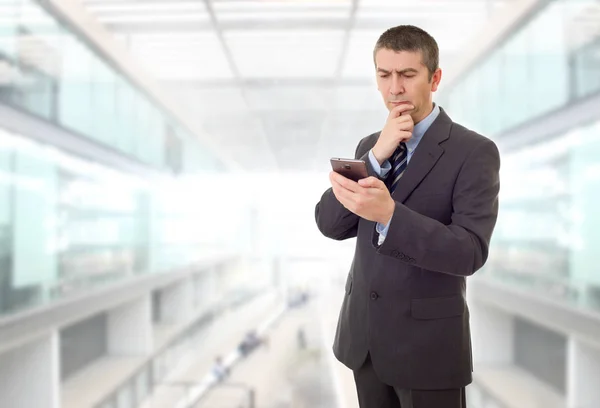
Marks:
<point>346,183</point>
<point>403,135</point>
<point>332,176</point>
<point>405,126</point>
<point>404,120</point>
<point>400,109</point>
<point>339,188</point>
<point>338,179</point>
<point>371,182</point>
<point>346,197</point>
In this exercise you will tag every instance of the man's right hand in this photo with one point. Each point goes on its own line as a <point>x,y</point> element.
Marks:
<point>398,128</point>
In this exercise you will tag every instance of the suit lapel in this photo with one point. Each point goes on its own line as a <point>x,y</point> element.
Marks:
<point>426,155</point>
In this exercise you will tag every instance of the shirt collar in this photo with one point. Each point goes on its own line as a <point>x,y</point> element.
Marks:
<point>421,127</point>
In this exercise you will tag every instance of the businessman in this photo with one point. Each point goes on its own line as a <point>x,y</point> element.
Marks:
<point>423,220</point>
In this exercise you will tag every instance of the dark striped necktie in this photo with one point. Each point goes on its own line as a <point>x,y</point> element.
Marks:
<point>399,162</point>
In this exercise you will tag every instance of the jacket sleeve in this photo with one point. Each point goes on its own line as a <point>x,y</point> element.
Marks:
<point>333,219</point>
<point>460,248</point>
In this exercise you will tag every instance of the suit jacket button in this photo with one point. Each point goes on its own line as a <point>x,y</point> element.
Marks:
<point>374,295</point>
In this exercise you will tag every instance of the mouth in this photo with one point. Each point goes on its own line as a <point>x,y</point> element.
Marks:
<point>398,103</point>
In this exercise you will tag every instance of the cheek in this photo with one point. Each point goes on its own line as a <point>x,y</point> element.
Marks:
<point>422,91</point>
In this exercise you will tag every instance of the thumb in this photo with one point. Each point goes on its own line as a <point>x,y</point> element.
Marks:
<point>370,182</point>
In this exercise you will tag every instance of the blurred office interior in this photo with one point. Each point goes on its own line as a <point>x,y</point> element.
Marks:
<point>159,165</point>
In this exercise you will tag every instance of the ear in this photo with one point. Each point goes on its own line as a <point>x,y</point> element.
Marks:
<point>435,79</point>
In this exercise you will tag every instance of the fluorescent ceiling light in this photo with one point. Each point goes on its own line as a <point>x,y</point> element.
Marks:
<point>148,7</point>
<point>431,4</point>
<point>280,5</point>
<point>187,17</point>
<point>283,35</point>
<point>283,15</point>
<point>424,14</point>
<point>207,42</point>
<point>174,36</point>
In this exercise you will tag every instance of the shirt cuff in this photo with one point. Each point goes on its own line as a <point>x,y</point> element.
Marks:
<point>382,230</point>
<point>382,170</point>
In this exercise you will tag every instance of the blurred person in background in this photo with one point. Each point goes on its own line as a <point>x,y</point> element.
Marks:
<point>423,220</point>
<point>220,371</point>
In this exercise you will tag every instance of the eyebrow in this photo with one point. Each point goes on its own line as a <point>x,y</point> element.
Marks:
<point>404,71</point>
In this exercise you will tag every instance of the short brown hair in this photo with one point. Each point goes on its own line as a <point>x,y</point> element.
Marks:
<point>411,38</point>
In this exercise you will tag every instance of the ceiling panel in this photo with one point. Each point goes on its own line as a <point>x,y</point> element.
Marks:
<point>203,102</point>
<point>285,53</point>
<point>141,12</point>
<point>294,98</point>
<point>276,103</point>
<point>181,56</point>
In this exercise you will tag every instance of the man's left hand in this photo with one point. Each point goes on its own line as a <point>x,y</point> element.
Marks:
<point>368,198</point>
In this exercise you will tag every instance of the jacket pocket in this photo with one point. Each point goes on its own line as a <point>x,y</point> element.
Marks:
<point>437,308</point>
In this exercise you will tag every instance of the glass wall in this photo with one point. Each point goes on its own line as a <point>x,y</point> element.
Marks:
<point>67,224</point>
<point>551,60</point>
<point>48,71</point>
<point>548,222</point>
<point>549,225</point>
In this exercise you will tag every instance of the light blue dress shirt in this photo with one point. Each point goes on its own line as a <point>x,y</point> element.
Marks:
<point>418,132</point>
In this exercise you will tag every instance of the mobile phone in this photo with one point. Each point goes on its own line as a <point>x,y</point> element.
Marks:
<point>350,168</point>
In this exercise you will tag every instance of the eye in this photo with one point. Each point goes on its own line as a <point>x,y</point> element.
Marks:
<point>384,75</point>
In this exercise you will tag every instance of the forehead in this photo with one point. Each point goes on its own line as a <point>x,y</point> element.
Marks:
<point>390,59</point>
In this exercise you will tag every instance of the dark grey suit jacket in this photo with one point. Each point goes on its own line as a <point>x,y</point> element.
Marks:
<point>405,300</point>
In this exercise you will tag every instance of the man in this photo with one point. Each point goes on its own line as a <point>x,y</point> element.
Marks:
<point>220,371</point>
<point>423,221</point>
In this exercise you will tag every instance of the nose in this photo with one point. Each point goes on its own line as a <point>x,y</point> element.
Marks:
<point>397,86</point>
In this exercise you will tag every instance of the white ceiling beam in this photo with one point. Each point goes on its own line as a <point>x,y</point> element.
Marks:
<point>346,41</point>
<point>236,72</point>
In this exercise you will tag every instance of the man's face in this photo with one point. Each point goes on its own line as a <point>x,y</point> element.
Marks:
<point>403,78</point>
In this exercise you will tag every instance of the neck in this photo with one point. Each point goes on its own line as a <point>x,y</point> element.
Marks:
<point>425,113</point>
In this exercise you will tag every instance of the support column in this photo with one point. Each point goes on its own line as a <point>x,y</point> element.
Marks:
<point>176,302</point>
<point>583,372</point>
<point>202,295</point>
<point>130,328</point>
<point>212,276</point>
<point>492,334</point>
<point>30,375</point>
